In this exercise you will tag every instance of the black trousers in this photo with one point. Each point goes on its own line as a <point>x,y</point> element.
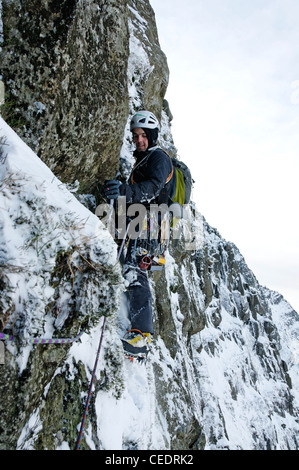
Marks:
<point>140,297</point>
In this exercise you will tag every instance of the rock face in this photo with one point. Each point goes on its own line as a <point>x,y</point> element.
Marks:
<point>223,371</point>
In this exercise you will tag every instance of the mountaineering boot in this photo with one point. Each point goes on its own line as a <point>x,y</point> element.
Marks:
<point>136,344</point>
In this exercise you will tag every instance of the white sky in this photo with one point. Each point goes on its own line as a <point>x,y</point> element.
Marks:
<point>234,95</point>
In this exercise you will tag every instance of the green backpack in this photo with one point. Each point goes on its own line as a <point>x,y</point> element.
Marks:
<point>184,182</point>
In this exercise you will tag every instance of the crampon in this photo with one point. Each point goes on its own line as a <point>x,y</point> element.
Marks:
<point>136,346</point>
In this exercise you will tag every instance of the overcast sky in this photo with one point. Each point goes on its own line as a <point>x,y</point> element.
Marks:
<point>234,95</point>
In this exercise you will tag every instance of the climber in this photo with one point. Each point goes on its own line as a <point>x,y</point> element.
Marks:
<point>152,181</point>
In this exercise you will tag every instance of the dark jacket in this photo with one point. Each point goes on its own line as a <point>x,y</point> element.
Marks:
<point>152,180</point>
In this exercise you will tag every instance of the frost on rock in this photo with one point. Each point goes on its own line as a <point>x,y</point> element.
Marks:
<point>49,244</point>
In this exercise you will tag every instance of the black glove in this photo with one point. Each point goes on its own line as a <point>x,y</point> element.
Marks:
<point>111,189</point>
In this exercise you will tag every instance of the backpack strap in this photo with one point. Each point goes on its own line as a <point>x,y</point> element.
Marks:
<point>172,168</point>
<point>171,175</point>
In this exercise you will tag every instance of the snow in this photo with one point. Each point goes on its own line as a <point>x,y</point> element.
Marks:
<point>35,179</point>
<point>129,418</point>
<point>32,427</point>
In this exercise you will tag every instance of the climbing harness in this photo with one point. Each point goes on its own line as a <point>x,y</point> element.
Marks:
<point>90,387</point>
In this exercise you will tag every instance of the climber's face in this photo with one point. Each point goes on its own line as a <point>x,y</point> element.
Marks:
<point>140,139</point>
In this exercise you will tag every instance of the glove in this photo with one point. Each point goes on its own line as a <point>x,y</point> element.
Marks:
<point>111,189</point>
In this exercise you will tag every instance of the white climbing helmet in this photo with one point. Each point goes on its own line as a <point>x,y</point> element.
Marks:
<point>145,120</point>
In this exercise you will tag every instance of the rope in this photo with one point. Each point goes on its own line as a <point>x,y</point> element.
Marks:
<point>56,340</point>
<point>90,387</point>
<point>6,337</point>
